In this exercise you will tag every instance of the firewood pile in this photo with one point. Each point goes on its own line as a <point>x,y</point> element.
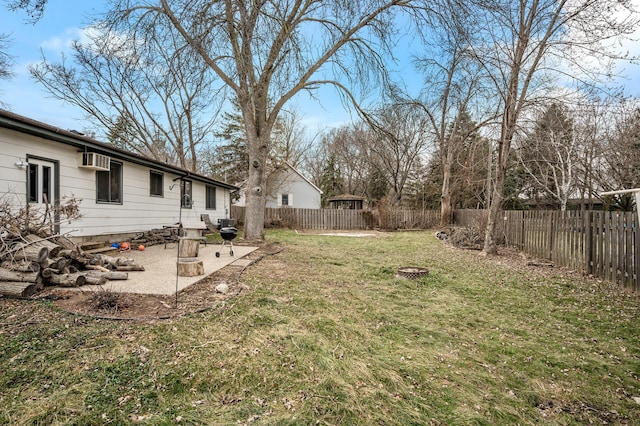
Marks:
<point>30,262</point>
<point>156,236</point>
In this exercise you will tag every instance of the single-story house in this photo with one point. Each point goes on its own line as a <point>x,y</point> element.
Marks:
<point>119,192</point>
<point>287,187</point>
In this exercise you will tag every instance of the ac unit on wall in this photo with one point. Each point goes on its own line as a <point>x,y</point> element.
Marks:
<point>94,161</point>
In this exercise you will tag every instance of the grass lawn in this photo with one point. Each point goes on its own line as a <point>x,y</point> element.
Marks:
<point>328,335</point>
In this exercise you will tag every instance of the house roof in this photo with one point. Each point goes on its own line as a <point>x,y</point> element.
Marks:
<point>243,184</point>
<point>29,126</point>
<point>286,163</point>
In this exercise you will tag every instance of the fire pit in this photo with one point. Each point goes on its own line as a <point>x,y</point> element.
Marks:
<point>412,272</point>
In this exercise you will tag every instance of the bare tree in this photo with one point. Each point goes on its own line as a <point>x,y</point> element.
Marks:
<point>289,140</point>
<point>524,40</point>
<point>34,8</point>
<point>314,161</point>
<point>593,116</point>
<point>266,52</point>
<point>350,148</point>
<point>621,154</point>
<point>550,155</point>
<point>453,88</point>
<point>6,61</point>
<point>402,137</point>
<point>156,89</point>
<point>229,160</point>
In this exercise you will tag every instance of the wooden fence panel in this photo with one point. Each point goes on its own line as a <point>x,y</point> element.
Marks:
<point>343,219</point>
<point>603,244</point>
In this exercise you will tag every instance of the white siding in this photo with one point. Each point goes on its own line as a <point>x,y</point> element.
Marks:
<point>139,211</point>
<point>302,194</point>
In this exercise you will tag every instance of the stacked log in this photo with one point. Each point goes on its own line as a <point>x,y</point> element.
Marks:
<point>155,237</point>
<point>23,284</point>
<point>30,263</point>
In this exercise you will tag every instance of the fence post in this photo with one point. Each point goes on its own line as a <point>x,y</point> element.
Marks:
<point>551,236</point>
<point>636,232</point>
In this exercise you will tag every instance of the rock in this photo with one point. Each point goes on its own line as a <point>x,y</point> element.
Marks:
<point>222,288</point>
<point>442,235</point>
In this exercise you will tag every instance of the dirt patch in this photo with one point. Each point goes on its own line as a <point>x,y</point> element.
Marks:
<point>195,298</point>
<point>203,295</point>
<point>329,233</point>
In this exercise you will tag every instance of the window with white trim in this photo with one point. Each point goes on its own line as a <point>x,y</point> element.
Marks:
<point>186,200</point>
<point>156,184</point>
<point>285,200</point>
<point>211,197</point>
<point>109,184</point>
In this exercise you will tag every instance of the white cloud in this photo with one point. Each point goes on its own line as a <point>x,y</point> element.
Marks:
<point>62,42</point>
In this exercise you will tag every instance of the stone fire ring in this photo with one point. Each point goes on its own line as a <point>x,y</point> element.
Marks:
<point>412,272</point>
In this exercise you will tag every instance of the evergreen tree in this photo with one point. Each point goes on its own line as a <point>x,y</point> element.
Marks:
<point>377,184</point>
<point>230,162</point>
<point>331,182</point>
<point>121,133</point>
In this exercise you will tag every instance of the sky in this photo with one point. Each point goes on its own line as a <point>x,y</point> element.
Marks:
<point>63,21</point>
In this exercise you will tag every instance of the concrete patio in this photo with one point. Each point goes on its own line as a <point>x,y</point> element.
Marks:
<point>160,263</point>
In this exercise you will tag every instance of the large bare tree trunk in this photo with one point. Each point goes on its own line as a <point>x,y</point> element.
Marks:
<point>446,206</point>
<point>256,192</point>
<point>491,238</point>
<point>507,133</point>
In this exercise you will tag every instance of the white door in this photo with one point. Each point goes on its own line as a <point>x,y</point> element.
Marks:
<point>41,183</point>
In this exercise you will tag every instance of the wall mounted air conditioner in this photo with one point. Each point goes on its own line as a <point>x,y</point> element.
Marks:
<point>94,161</point>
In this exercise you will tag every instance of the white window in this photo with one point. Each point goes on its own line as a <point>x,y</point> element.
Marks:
<point>210,197</point>
<point>186,194</point>
<point>109,184</point>
<point>285,200</point>
<point>156,181</point>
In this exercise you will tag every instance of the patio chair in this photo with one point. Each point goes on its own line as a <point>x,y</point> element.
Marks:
<point>211,228</point>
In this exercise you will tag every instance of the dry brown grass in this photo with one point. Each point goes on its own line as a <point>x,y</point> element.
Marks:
<point>328,335</point>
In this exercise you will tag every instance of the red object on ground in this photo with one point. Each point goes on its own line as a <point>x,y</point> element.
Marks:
<point>141,247</point>
<point>125,246</point>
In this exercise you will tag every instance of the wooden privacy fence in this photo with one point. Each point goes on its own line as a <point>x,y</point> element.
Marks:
<point>344,219</point>
<point>603,244</point>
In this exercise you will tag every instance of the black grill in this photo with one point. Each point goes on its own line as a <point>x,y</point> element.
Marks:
<point>228,232</point>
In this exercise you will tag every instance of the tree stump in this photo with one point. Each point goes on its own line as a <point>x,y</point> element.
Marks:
<point>188,247</point>
<point>190,267</point>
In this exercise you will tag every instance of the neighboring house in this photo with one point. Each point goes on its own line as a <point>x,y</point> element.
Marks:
<point>119,192</point>
<point>287,187</point>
